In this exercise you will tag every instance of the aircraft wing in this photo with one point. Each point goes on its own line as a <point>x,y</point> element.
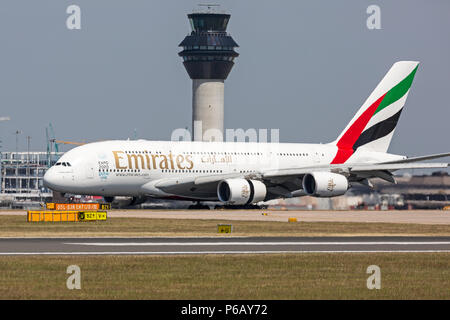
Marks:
<point>352,168</point>
<point>285,181</point>
<point>202,188</point>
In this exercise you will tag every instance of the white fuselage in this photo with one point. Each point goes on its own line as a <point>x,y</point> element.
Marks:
<point>131,168</point>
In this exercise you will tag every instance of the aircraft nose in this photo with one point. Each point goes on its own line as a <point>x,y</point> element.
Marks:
<point>50,178</point>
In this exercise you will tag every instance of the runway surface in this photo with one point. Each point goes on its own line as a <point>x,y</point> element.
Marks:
<point>225,245</point>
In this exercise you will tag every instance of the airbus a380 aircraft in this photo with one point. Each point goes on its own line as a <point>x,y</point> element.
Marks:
<point>247,173</point>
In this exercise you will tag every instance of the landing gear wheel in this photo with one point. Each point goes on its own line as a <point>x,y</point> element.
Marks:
<point>243,207</point>
<point>198,206</point>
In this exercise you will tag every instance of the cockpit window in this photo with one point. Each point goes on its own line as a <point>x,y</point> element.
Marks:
<point>64,164</point>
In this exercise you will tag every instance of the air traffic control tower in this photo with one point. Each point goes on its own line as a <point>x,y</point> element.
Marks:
<point>208,54</point>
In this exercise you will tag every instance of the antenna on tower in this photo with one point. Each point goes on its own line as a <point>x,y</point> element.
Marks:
<point>210,8</point>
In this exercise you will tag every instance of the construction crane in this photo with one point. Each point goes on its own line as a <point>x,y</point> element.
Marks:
<point>56,142</point>
<point>52,141</point>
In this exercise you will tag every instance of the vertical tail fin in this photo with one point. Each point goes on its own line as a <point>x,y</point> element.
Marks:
<point>373,125</point>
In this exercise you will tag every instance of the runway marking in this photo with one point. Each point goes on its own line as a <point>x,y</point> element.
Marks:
<point>133,244</point>
<point>215,252</point>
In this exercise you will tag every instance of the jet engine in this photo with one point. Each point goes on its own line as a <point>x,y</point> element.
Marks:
<point>122,201</point>
<point>241,191</point>
<point>325,184</point>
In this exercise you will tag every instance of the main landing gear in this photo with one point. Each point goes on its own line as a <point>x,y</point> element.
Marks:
<point>241,207</point>
<point>198,206</point>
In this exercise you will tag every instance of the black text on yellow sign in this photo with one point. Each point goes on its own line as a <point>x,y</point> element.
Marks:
<point>92,216</point>
<point>224,228</point>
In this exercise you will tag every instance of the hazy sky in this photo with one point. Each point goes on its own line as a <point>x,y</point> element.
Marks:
<point>305,67</point>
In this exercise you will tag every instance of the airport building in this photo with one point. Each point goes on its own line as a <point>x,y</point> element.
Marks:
<point>22,178</point>
<point>208,55</point>
<point>419,191</point>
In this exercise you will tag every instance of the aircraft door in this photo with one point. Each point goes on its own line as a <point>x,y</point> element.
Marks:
<point>316,156</point>
<point>89,170</point>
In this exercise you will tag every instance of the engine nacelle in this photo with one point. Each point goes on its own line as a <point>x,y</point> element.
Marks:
<point>241,191</point>
<point>325,184</point>
<point>123,201</point>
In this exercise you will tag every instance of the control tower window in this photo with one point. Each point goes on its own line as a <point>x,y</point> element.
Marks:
<point>208,51</point>
<point>208,22</point>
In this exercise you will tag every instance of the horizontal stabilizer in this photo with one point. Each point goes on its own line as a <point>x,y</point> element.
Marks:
<point>422,158</point>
